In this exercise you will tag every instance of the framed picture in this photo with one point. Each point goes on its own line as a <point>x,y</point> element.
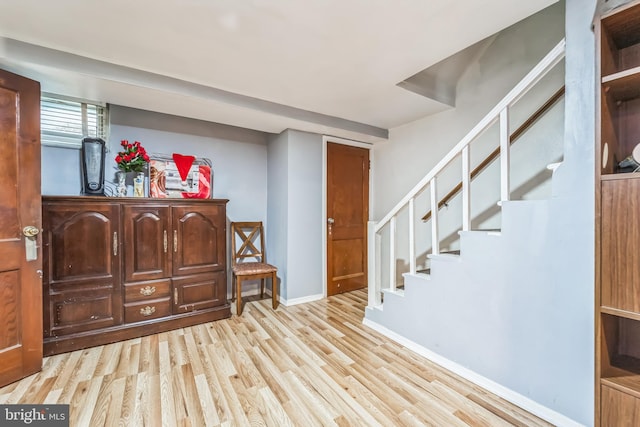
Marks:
<point>181,177</point>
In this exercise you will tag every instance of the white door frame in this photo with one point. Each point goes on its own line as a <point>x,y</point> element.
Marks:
<point>325,140</point>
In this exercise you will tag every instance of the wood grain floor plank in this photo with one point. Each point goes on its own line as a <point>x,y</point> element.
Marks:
<point>275,414</point>
<point>468,410</point>
<point>236,412</point>
<point>52,398</point>
<point>245,397</point>
<point>206,401</point>
<point>103,403</point>
<point>86,396</point>
<point>168,409</point>
<point>312,364</point>
<point>313,403</point>
<point>114,393</point>
<point>219,400</point>
<point>108,359</point>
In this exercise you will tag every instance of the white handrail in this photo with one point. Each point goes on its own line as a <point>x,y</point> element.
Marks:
<point>546,64</point>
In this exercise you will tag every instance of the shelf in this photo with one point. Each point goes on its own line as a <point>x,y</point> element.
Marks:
<point>620,313</point>
<point>623,85</point>
<point>623,26</point>
<point>619,175</point>
<point>627,382</point>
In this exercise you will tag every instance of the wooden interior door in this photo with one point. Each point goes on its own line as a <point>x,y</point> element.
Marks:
<point>20,215</point>
<point>347,216</point>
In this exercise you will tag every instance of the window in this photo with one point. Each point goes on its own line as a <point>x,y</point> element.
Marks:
<point>65,121</point>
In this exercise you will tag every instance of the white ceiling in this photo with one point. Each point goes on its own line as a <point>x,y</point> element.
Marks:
<point>219,60</point>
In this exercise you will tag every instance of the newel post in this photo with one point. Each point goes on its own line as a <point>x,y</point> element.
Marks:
<point>373,287</point>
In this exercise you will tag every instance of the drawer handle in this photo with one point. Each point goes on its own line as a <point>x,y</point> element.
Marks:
<point>147,311</point>
<point>148,290</point>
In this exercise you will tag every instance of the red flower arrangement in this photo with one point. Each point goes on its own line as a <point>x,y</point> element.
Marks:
<point>134,158</point>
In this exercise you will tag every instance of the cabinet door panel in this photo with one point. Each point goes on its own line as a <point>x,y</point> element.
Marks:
<point>619,409</point>
<point>199,237</point>
<point>620,240</point>
<point>199,292</point>
<point>146,242</point>
<point>82,242</point>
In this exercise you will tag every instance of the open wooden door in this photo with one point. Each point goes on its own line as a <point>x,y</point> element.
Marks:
<point>347,216</point>
<point>20,223</point>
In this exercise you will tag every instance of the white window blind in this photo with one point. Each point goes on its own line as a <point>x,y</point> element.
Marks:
<point>65,121</point>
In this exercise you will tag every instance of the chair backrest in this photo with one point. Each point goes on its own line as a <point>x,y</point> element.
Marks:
<point>247,242</point>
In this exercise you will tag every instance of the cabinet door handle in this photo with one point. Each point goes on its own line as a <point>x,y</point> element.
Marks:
<point>147,311</point>
<point>147,290</point>
<point>175,240</point>
<point>165,241</point>
<point>175,295</point>
<point>115,243</point>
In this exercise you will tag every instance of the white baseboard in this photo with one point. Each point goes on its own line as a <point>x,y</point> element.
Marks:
<point>302,300</point>
<point>251,291</point>
<point>499,390</point>
<point>295,301</point>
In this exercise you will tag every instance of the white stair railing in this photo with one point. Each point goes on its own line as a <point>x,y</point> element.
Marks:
<point>499,113</point>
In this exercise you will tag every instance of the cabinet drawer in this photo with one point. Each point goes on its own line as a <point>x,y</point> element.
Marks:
<point>75,312</point>
<point>145,310</point>
<point>149,290</point>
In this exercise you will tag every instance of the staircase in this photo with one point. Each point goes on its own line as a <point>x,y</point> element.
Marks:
<point>459,313</point>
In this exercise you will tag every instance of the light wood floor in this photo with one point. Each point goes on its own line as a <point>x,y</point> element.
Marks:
<point>306,365</point>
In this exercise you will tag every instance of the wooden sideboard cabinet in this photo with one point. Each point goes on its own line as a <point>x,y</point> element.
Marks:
<point>119,268</point>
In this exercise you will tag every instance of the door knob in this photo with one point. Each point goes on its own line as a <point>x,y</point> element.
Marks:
<point>30,231</point>
<point>331,220</point>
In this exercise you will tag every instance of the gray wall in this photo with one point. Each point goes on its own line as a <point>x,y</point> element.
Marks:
<point>305,215</point>
<point>520,310</point>
<point>295,212</point>
<point>277,206</point>
<point>239,157</point>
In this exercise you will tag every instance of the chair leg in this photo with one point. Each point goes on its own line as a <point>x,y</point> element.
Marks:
<point>233,286</point>
<point>239,296</point>
<point>274,291</point>
<point>262,288</point>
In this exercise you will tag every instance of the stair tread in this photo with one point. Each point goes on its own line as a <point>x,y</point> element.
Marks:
<point>454,252</point>
<point>444,257</point>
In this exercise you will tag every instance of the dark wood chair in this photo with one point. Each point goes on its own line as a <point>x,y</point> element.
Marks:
<point>249,261</point>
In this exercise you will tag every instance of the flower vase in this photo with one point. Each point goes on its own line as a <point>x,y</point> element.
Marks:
<point>138,184</point>
<point>121,184</point>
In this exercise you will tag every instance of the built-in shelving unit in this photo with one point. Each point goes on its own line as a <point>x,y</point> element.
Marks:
<point>618,220</point>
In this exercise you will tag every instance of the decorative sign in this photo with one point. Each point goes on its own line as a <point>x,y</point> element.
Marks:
<point>186,178</point>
